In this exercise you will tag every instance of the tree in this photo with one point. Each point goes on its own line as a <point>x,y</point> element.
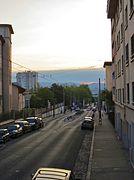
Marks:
<point>40,99</point>
<point>77,95</point>
<point>107,97</point>
<point>58,92</point>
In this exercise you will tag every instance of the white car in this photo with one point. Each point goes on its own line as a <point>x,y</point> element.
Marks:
<point>53,174</point>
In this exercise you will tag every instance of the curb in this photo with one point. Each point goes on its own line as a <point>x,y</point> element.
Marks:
<point>88,176</point>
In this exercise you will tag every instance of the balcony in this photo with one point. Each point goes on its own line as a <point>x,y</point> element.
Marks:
<point>111,8</point>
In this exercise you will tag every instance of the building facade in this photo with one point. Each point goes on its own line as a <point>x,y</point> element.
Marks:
<point>108,67</point>
<point>5,67</point>
<point>1,94</point>
<point>18,98</point>
<point>121,13</point>
<point>27,80</point>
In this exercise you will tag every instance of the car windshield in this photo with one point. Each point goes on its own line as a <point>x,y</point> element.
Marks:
<point>31,120</point>
<point>20,123</point>
<point>12,128</point>
<point>1,133</point>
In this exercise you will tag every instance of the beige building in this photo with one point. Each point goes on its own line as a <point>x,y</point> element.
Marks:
<point>1,49</point>
<point>121,13</point>
<point>5,59</point>
<point>108,69</point>
<point>18,99</point>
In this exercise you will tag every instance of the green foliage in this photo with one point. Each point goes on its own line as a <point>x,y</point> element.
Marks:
<point>57,94</point>
<point>77,94</point>
<point>107,97</point>
<point>41,98</point>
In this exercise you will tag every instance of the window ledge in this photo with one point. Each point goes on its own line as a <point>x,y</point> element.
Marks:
<point>127,63</point>
<point>126,26</point>
<point>131,12</point>
<point>132,57</point>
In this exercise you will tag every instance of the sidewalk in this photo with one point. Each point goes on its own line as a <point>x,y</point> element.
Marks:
<point>6,122</point>
<point>110,161</point>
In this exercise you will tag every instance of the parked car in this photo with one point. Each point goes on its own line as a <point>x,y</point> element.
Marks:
<point>26,127</point>
<point>53,173</point>
<point>41,123</point>
<point>34,122</point>
<point>15,130</point>
<point>79,111</point>
<point>4,135</point>
<point>88,118</point>
<point>88,123</point>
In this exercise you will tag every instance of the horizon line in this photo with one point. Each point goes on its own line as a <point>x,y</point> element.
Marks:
<point>65,69</point>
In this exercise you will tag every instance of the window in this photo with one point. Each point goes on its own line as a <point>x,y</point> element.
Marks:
<point>126,17</point>
<point>122,64</point>
<point>118,40</point>
<point>116,95</point>
<point>127,54</point>
<point>121,32</point>
<point>116,71</point>
<point>120,4</point>
<point>113,75</point>
<point>113,90</point>
<point>119,68</point>
<point>131,5</point>
<point>123,98</point>
<point>133,93</point>
<point>132,46</point>
<point>128,96</point>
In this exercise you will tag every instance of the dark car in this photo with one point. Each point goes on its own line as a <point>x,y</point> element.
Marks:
<point>34,122</point>
<point>88,123</point>
<point>15,130</point>
<point>4,135</point>
<point>53,173</point>
<point>26,127</point>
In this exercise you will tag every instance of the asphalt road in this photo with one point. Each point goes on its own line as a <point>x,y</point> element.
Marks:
<point>55,145</point>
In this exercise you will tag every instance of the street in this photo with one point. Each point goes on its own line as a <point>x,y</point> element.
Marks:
<point>55,145</point>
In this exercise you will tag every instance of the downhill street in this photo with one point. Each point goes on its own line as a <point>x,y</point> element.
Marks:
<point>55,145</point>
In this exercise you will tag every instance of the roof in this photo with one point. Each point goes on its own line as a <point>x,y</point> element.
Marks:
<point>21,89</point>
<point>107,63</point>
<point>9,26</point>
<point>2,39</point>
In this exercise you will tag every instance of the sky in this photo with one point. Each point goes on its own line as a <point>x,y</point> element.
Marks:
<point>58,34</point>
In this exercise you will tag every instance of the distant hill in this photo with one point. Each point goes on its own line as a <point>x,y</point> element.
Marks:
<point>71,77</point>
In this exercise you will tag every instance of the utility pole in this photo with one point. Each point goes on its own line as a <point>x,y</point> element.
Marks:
<point>99,101</point>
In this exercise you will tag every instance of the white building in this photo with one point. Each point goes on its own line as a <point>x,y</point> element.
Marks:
<point>121,13</point>
<point>27,80</point>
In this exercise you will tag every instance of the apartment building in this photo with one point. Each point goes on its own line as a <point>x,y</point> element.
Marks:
<point>121,13</point>
<point>108,67</point>
<point>6,31</point>
<point>27,80</point>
